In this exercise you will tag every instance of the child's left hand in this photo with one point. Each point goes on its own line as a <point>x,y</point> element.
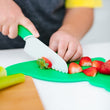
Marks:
<point>67,45</point>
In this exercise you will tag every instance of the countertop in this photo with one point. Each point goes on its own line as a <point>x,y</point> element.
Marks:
<point>66,96</point>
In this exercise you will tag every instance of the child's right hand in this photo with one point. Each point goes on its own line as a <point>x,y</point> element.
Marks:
<point>11,16</point>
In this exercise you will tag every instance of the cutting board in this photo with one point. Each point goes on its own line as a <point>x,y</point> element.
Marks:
<point>23,96</point>
<point>31,68</point>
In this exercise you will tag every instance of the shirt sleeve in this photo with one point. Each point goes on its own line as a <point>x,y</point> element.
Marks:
<point>83,3</point>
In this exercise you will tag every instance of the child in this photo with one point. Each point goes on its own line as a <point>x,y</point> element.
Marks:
<point>59,23</point>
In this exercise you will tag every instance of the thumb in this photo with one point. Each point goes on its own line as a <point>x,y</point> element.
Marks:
<point>30,26</point>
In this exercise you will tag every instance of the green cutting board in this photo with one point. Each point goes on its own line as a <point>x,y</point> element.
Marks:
<point>31,68</point>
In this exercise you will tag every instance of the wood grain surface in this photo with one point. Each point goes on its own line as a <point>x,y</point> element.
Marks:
<point>23,96</point>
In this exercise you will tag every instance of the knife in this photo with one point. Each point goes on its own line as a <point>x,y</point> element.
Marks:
<point>37,49</point>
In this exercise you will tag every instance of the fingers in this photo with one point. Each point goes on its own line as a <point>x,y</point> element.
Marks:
<point>5,30</point>
<point>62,48</point>
<point>78,54</point>
<point>53,45</point>
<point>13,31</point>
<point>10,31</point>
<point>29,25</point>
<point>71,51</point>
<point>67,50</point>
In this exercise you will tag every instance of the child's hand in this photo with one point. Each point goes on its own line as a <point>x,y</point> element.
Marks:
<point>67,46</point>
<point>11,16</point>
<point>76,22</point>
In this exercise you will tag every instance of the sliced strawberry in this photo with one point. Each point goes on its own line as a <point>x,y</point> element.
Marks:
<point>47,61</point>
<point>85,61</point>
<point>74,68</point>
<point>97,64</point>
<point>90,71</point>
<point>44,63</point>
<point>105,68</point>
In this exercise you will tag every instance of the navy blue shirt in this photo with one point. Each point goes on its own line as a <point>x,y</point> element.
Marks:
<point>46,15</point>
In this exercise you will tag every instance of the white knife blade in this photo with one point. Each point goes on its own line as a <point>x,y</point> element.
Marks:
<point>37,49</point>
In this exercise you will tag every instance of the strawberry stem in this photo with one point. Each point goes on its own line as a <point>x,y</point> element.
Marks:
<point>42,64</point>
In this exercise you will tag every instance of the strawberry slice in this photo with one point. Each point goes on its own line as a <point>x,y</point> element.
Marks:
<point>90,71</point>
<point>47,61</point>
<point>74,68</point>
<point>44,63</point>
<point>97,64</point>
<point>85,61</point>
<point>105,68</point>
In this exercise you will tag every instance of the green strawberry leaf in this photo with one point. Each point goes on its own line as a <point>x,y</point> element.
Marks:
<point>42,64</point>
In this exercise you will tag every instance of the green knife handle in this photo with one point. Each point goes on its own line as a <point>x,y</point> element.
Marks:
<point>23,32</point>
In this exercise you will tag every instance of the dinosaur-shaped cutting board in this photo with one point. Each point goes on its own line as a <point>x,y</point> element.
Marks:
<point>31,68</point>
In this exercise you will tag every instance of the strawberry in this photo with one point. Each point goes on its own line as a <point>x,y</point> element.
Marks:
<point>74,68</point>
<point>90,71</point>
<point>97,64</point>
<point>44,63</point>
<point>47,61</point>
<point>105,68</point>
<point>85,61</point>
